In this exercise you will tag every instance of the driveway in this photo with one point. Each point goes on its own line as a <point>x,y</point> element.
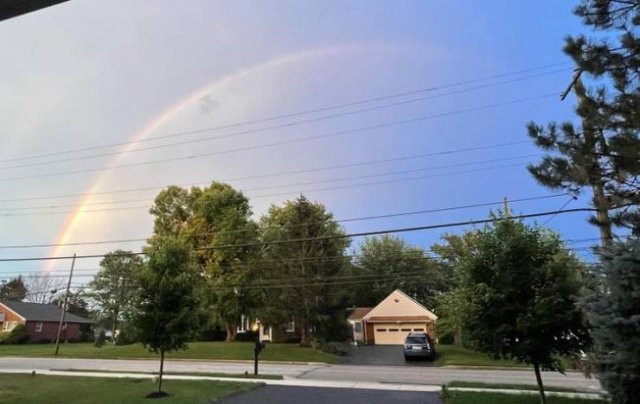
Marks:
<point>319,395</point>
<point>380,355</point>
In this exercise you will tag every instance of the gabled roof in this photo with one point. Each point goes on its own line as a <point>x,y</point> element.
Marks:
<point>399,305</point>
<point>359,313</point>
<point>42,312</point>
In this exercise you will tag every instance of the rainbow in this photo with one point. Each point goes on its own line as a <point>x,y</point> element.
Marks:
<point>72,220</point>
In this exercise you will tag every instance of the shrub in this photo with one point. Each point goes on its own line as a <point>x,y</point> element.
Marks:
<point>19,335</point>
<point>100,340</point>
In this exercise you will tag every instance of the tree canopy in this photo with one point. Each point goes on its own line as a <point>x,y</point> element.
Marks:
<point>15,289</point>
<point>522,290</point>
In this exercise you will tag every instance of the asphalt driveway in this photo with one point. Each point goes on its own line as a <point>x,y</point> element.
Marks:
<point>380,355</point>
<point>320,395</point>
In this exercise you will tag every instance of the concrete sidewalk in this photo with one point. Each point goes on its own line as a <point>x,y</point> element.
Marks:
<point>283,382</point>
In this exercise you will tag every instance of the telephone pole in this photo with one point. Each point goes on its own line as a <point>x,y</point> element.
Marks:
<point>64,304</point>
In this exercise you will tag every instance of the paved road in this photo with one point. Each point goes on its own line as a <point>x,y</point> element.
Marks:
<point>313,395</point>
<point>382,355</point>
<point>384,374</point>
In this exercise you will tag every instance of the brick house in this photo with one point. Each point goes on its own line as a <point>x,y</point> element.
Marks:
<point>41,320</point>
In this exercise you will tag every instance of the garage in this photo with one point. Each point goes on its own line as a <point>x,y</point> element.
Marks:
<point>391,320</point>
<point>394,333</point>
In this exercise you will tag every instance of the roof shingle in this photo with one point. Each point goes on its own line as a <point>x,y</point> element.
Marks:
<point>42,312</point>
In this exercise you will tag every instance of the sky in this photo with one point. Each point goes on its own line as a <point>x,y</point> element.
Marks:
<point>199,88</point>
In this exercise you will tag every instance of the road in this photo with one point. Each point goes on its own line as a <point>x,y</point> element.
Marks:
<point>383,374</point>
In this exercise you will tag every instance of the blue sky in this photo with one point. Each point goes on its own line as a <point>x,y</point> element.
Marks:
<point>90,73</point>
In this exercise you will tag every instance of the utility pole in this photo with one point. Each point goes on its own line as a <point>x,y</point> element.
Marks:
<point>64,305</point>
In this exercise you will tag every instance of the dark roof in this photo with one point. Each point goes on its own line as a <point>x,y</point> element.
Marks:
<point>42,312</point>
<point>359,313</point>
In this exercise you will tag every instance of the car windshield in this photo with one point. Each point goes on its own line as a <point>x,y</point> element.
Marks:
<point>416,340</point>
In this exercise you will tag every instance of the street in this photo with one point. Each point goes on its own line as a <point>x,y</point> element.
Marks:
<point>382,374</point>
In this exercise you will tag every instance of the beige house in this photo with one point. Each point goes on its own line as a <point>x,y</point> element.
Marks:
<point>391,320</point>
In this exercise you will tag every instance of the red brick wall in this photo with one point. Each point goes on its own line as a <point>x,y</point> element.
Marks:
<point>10,316</point>
<point>50,331</point>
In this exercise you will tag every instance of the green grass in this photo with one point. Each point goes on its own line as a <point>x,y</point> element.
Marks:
<point>515,387</point>
<point>196,350</point>
<point>25,389</point>
<point>459,397</point>
<point>207,374</point>
<point>452,355</point>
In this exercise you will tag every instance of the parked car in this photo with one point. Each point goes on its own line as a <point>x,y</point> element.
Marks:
<point>419,345</point>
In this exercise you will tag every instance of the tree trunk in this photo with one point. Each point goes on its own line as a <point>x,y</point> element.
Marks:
<point>457,338</point>
<point>536,369</point>
<point>304,338</point>
<point>161,370</point>
<point>114,326</point>
<point>231,334</point>
<point>602,215</point>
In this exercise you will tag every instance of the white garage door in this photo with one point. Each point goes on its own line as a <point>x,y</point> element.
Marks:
<point>395,334</point>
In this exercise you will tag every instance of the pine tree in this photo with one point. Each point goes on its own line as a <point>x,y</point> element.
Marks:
<point>614,314</point>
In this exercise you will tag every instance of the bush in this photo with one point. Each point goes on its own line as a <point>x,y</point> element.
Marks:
<point>246,336</point>
<point>19,335</point>
<point>100,340</point>
<point>446,339</point>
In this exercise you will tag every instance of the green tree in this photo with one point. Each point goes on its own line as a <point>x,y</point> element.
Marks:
<point>614,315</point>
<point>217,215</point>
<point>14,290</point>
<point>387,263</point>
<point>114,286</point>
<point>305,247</point>
<point>523,290</point>
<point>604,152</point>
<point>452,305</point>
<point>166,305</point>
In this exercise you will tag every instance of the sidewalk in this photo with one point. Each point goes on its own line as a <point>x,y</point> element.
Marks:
<point>587,396</point>
<point>283,382</point>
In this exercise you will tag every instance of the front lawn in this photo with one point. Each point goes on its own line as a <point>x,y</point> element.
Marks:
<point>196,350</point>
<point>453,355</point>
<point>465,397</point>
<point>515,386</point>
<point>61,389</point>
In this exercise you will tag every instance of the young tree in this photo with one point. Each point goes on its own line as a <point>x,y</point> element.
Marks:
<point>217,215</point>
<point>166,304</point>
<point>311,263</point>
<point>614,315</point>
<point>14,290</point>
<point>523,290</point>
<point>389,263</point>
<point>114,287</point>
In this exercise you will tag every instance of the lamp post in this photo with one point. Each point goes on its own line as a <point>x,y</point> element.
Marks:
<point>258,347</point>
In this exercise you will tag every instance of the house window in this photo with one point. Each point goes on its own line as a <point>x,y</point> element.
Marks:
<point>39,326</point>
<point>357,327</point>
<point>64,326</point>
<point>8,325</point>
<point>393,330</point>
<point>406,329</point>
<point>291,326</point>
<point>381,329</point>
<point>418,329</point>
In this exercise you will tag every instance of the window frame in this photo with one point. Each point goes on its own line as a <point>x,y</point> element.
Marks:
<point>39,326</point>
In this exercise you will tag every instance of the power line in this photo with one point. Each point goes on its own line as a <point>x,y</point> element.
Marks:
<point>471,163</point>
<point>290,115</point>
<point>353,219</point>
<point>278,143</point>
<point>433,154</point>
<point>324,238</point>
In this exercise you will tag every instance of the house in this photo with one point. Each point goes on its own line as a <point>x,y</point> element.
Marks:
<point>41,320</point>
<point>288,332</point>
<point>391,320</point>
